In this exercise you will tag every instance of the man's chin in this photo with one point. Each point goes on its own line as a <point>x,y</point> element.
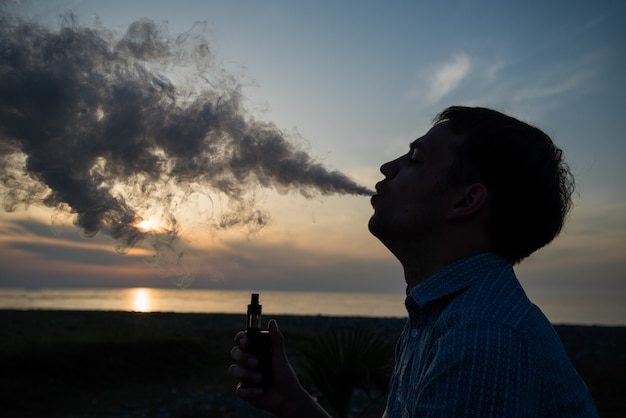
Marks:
<point>374,225</point>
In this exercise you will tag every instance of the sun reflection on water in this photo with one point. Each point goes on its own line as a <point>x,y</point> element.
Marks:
<point>141,300</point>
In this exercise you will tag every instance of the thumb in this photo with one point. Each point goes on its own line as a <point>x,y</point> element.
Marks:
<point>278,341</point>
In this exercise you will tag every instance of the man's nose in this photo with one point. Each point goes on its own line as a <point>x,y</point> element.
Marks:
<point>389,169</point>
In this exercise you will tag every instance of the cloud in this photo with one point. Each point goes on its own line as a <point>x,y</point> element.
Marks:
<point>435,83</point>
<point>557,86</point>
<point>447,77</point>
<point>31,258</point>
<point>494,69</point>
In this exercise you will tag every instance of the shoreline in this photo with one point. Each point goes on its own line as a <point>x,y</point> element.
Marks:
<point>265,316</point>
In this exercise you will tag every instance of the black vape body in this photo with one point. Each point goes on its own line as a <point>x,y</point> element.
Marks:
<point>259,342</point>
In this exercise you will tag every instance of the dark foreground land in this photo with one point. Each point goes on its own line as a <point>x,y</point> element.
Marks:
<point>120,364</point>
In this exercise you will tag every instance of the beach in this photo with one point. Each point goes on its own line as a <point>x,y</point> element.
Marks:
<point>129,364</point>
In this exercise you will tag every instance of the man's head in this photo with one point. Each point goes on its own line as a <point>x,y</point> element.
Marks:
<point>528,182</point>
<point>477,180</point>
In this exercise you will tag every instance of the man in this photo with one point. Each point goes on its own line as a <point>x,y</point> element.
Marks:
<point>479,192</point>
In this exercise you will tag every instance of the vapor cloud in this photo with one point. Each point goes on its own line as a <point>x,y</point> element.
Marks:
<point>92,124</point>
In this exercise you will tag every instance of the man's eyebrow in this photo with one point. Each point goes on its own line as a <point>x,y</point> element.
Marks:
<point>416,144</point>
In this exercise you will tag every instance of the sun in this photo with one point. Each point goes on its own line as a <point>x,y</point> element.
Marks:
<point>148,225</point>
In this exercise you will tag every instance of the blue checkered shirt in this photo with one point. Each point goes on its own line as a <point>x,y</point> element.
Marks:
<point>475,346</point>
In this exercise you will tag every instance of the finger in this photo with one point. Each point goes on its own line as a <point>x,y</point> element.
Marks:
<point>243,358</point>
<point>241,339</point>
<point>248,392</point>
<point>278,341</point>
<point>244,375</point>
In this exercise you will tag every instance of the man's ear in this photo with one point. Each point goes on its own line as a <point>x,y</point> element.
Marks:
<point>468,201</point>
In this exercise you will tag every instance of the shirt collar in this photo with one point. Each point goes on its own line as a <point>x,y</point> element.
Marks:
<point>454,277</point>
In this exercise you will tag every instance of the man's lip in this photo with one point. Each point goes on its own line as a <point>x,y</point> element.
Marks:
<point>376,196</point>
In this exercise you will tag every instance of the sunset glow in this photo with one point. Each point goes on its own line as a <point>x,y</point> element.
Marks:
<point>189,183</point>
<point>141,300</point>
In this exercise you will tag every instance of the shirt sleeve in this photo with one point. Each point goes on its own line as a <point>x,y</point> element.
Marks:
<point>478,370</point>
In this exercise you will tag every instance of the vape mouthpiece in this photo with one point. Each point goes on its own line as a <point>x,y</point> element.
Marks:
<point>254,313</point>
<point>254,307</point>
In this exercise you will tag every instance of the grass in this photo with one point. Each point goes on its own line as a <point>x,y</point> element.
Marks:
<point>111,364</point>
<point>117,364</point>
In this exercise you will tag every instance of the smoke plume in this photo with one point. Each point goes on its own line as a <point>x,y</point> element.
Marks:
<point>92,124</point>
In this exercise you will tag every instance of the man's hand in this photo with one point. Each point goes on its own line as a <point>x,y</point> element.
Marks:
<point>284,397</point>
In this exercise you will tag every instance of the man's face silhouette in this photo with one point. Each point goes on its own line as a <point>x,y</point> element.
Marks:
<point>410,203</point>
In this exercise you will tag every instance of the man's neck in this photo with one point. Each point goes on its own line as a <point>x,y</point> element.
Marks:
<point>419,269</point>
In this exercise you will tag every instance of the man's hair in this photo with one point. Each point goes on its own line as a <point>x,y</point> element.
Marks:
<point>530,185</point>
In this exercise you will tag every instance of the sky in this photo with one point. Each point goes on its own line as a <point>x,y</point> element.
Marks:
<point>345,87</point>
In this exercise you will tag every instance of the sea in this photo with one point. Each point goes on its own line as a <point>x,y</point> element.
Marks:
<point>274,303</point>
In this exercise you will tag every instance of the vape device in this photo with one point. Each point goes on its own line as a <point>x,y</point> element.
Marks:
<point>260,344</point>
